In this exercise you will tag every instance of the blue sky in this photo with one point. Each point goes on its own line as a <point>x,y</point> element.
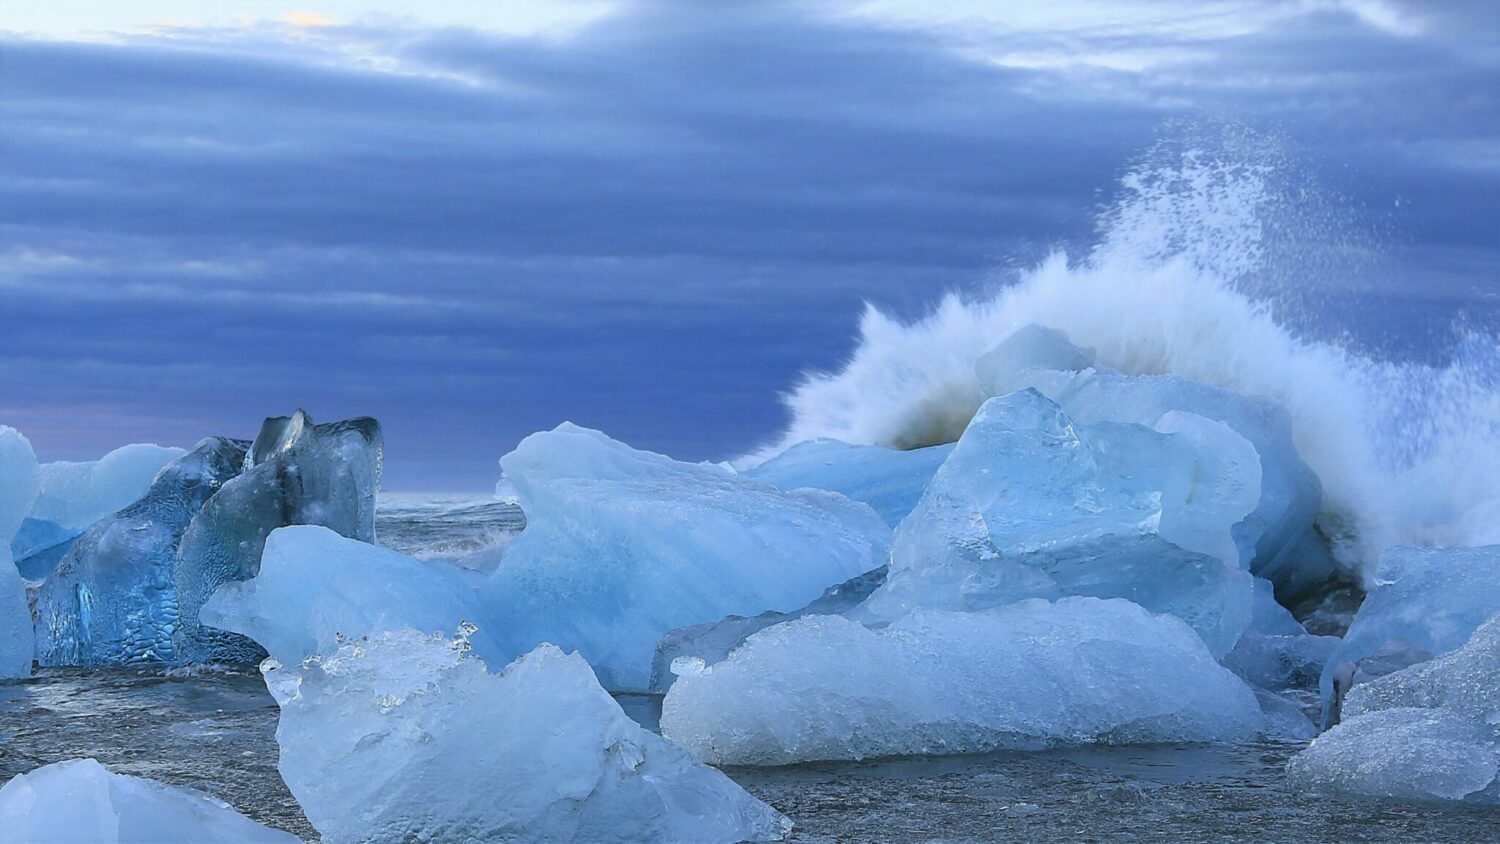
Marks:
<point>476,220</point>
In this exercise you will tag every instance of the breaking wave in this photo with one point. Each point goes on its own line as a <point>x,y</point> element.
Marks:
<point>1408,453</point>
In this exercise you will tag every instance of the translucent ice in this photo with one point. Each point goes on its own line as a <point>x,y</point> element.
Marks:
<point>1428,731</point>
<point>18,489</point>
<point>75,495</point>
<point>315,586</point>
<point>1276,653</point>
<point>1030,505</point>
<point>622,546</point>
<point>1276,540</point>
<point>82,801</point>
<point>296,473</point>
<point>888,480</point>
<point>407,737</point>
<point>1425,602</point>
<point>1027,675</point>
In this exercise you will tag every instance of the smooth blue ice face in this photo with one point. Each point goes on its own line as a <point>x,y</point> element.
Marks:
<point>1029,505</point>
<point>1276,540</point>
<point>18,489</point>
<point>889,480</point>
<point>1425,602</point>
<point>39,546</point>
<point>622,546</point>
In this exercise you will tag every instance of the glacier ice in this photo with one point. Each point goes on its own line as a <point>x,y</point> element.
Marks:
<point>1425,602</point>
<point>1430,731</point>
<point>1277,539</point>
<point>75,495</point>
<point>1031,505</point>
<point>1026,675</point>
<point>18,489</point>
<point>888,480</point>
<point>407,737</point>
<point>296,473</point>
<point>622,546</point>
<point>82,801</point>
<point>315,586</point>
<point>1276,653</point>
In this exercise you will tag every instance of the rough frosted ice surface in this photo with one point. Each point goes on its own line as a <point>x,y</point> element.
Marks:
<point>296,473</point>
<point>111,599</point>
<point>75,495</point>
<point>1425,602</point>
<point>1031,505</point>
<point>622,546</point>
<point>1026,675</point>
<point>18,489</point>
<point>1428,731</point>
<point>1276,540</point>
<point>407,737</point>
<point>888,480</point>
<point>82,801</point>
<point>315,586</point>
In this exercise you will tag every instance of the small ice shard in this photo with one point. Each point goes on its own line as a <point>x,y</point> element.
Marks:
<point>1425,602</point>
<point>296,473</point>
<point>407,737</point>
<point>82,801</point>
<point>315,586</point>
<point>18,489</point>
<point>1030,505</point>
<point>75,495</point>
<point>1277,539</point>
<point>1027,675</point>
<point>622,546</point>
<point>888,480</point>
<point>1429,731</point>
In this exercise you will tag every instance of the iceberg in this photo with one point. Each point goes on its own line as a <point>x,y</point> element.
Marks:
<point>296,473</point>
<point>1277,540</point>
<point>316,587</point>
<point>75,495</point>
<point>1028,675</point>
<point>1031,505</point>
<point>81,800</point>
<point>407,737</point>
<point>1425,603</point>
<point>18,489</point>
<point>622,546</point>
<point>889,480</point>
<point>1430,731</point>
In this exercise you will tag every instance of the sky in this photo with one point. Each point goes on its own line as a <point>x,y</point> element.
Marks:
<point>475,220</point>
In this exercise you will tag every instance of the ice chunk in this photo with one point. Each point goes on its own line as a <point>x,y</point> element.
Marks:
<point>1276,540</point>
<point>82,801</point>
<point>1429,731</point>
<point>75,495</point>
<point>888,480</point>
<point>39,546</point>
<point>407,737</point>
<point>315,586</point>
<point>622,546</point>
<point>18,489</point>
<point>297,473</point>
<point>111,599</point>
<point>1026,675</point>
<point>1425,602</point>
<point>1276,653</point>
<point>1029,505</point>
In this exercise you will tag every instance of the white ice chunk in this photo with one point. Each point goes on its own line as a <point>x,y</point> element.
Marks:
<point>75,495</point>
<point>1030,505</point>
<point>81,801</point>
<point>888,480</point>
<point>18,490</point>
<point>1027,675</point>
<point>407,737</point>
<point>622,546</point>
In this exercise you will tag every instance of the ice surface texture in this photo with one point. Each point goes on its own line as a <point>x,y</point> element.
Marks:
<point>82,801</point>
<point>1276,540</point>
<point>1026,675</point>
<point>1425,602</point>
<point>1429,731</point>
<point>297,473</point>
<point>1030,505</point>
<point>622,546</point>
<point>407,737</point>
<point>888,480</point>
<point>18,490</point>
<point>75,495</point>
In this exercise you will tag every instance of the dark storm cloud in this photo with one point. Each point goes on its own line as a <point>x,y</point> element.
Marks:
<point>649,226</point>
